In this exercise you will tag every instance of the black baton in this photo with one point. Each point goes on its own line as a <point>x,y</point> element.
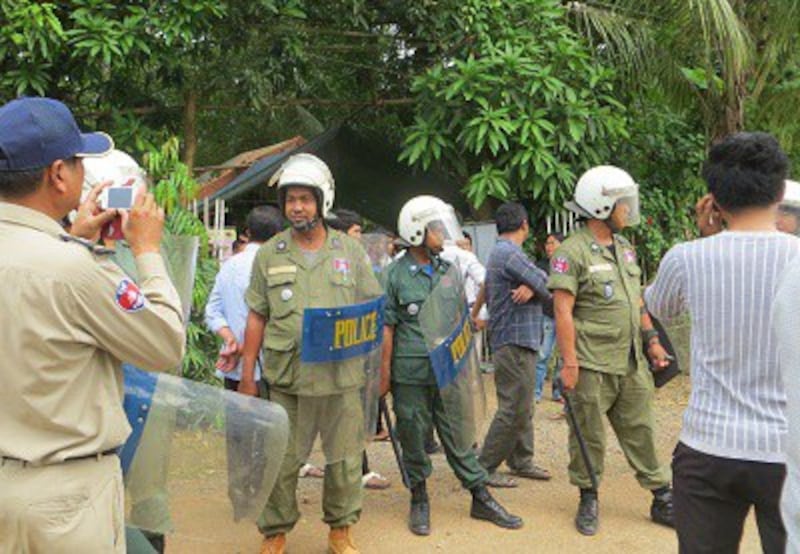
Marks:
<point>398,451</point>
<point>587,461</point>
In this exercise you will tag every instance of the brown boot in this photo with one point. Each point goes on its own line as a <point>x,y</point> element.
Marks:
<point>340,541</point>
<point>274,544</point>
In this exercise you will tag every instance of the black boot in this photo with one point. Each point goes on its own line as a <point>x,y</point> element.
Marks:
<point>586,518</point>
<point>661,509</point>
<point>485,507</point>
<point>419,518</point>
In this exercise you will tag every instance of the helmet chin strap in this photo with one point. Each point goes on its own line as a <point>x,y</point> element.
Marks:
<point>306,226</point>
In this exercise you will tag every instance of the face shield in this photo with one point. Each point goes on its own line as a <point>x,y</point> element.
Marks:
<point>442,224</point>
<point>626,210</point>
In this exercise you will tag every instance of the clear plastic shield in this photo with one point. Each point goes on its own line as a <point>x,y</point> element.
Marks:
<point>197,452</point>
<point>446,326</point>
<point>180,257</point>
<point>346,340</point>
<point>378,247</point>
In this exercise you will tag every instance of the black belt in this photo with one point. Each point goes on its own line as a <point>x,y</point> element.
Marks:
<point>75,459</point>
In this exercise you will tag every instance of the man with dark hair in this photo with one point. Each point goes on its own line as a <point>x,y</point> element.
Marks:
<point>69,318</point>
<point>346,221</point>
<point>732,445</point>
<point>515,335</point>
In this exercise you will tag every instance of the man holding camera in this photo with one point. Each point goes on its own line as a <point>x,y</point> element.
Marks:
<point>69,317</point>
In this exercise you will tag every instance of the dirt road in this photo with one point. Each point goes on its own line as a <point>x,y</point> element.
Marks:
<point>548,508</point>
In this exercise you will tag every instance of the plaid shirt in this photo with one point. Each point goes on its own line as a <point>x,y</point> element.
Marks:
<point>509,323</point>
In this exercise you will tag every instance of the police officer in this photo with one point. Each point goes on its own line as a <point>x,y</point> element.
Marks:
<point>308,265</point>
<point>600,327</point>
<point>69,316</point>
<point>425,222</point>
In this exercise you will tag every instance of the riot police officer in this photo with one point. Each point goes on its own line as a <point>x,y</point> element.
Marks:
<point>600,328</point>
<point>426,222</point>
<point>309,266</point>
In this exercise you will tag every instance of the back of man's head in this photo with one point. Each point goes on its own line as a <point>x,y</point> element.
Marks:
<point>510,217</point>
<point>263,222</point>
<point>746,170</point>
<point>343,220</point>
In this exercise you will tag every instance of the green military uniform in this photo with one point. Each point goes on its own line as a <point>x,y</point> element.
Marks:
<point>285,281</point>
<point>416,400</point>
<point>614,379</point>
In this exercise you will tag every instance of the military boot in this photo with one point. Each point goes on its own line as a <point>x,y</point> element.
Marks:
<point>485,507</point>
<point>419,518</point>
<point>274,544</point>
<point>587,516</point>
<point>340,541</point>
<point>661,508</point>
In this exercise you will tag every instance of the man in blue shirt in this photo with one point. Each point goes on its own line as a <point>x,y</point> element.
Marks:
<point>515,332</point>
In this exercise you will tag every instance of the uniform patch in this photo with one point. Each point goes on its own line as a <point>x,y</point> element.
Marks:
<point>560,265</point>
<point>629,256</point>
<point>129,297</point>
<point>341,265</point>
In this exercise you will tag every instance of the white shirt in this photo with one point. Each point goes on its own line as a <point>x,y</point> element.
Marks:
<point>471,269</point>
<point>787,325</point>
<point>728,283</point>
<point>226,306</point>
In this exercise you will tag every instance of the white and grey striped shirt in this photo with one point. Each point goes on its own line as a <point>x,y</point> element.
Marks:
<point>727,282</point>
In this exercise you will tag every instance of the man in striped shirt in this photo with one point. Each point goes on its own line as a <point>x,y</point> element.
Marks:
<point>731,450</point>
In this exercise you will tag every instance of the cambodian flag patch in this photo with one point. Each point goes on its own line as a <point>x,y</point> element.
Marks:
<point>630,256</point>
<point>560,265</point>
<point>129,297</point>
<point>341,265</point>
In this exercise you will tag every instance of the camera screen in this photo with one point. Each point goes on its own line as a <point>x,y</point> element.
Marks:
<point>120,198</point>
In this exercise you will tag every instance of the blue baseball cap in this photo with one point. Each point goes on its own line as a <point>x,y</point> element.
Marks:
<point>35,132</point>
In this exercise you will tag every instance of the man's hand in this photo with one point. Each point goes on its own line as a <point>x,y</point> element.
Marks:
<point>143,224</point>
<point>521,294</point>
<point>569,375</point>
<point>709,221</point>
<point>91,218</point>
<point>247,387</point>
<point>231,351</point>
<point>658,355</point>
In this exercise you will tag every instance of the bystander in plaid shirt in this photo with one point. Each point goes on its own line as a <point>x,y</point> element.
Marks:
<point>509,323</point>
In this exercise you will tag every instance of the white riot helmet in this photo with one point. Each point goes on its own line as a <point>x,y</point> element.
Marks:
<point>600,189</point>
<point>117,167</point>
<point>428,213</point>
<point>789,209</point>
<point>306,170</point>
<point>791,195</point>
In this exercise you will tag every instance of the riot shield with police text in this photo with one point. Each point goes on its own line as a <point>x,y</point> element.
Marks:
<point>197,453</point>
<point>347,341</point>
<point>446,326</point>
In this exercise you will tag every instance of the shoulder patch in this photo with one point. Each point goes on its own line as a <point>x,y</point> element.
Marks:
<point>559,264</point>
<point>129,297</point>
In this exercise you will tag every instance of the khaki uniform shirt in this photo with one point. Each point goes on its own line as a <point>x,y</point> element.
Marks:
<point>607,292</point>
<point>69,317</point>
<point>284,282</point>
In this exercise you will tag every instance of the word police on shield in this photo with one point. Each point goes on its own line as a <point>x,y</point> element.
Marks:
<point>335,334</point>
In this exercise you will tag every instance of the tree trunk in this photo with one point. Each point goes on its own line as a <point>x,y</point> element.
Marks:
<point>190,128</point>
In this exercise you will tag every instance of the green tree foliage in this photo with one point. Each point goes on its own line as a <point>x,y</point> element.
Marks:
<point>517,107</point>
<point>171,184</point>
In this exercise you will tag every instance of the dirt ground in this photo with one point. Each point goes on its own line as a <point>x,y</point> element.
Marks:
<point>200,507</point>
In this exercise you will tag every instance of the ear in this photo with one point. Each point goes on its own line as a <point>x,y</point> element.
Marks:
<point>56,176</point>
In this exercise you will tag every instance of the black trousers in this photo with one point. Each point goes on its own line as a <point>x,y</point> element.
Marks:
<point>712,496</point>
